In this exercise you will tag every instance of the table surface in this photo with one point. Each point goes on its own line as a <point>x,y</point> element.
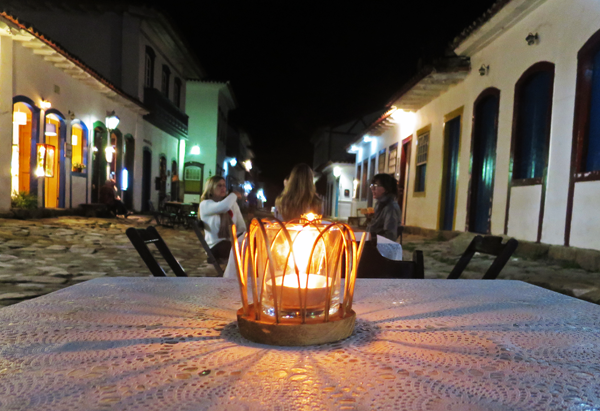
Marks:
<point>173,344</point>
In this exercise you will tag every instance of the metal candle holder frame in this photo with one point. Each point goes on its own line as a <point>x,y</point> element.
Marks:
<point>259,327</point>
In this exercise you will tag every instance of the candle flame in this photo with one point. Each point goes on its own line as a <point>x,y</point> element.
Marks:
<point>311,217</point>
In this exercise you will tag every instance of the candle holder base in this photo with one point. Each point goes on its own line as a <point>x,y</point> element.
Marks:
<point>294,333</point>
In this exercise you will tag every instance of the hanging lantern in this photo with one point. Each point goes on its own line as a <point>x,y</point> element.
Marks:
<point>19,118</point>
<point>295,270</point>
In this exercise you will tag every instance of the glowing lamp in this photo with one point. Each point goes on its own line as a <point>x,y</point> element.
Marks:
<point>195,150</point>
<point>295,274</point>
<point>20,118</point>
<point>112,121</point>
<point>74,139</point>
<point>50,129</point>
<point>367,139</point>
<point>233,162</point>
<point>337,171</point>
<point>45,105</point>
<point>109,151</point>
<point>247,165</point>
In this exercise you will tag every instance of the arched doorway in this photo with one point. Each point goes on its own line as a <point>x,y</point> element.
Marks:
<point>98,160</point>
<point>79,163</point>
<point>129,154</point>
<point>146,178</point>
<point>174,181</point>
<point>114,158</point>
<point>25,138</point>
<point>483,160</point>
<point>162,179</point>
<point>55,132</point>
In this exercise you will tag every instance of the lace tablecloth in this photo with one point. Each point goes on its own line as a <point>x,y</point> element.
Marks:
<point>173,344</point>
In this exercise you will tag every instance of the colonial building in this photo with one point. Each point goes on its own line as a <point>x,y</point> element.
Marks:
<point>215,144</point>
<point>65,70</point>
<point>502,138</point>
<point>334,166</point>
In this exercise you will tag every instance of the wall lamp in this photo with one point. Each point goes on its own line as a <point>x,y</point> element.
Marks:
<point>531,39</point>
<point>45,104</point>
<point>112,121</point>
<point>484,70</point>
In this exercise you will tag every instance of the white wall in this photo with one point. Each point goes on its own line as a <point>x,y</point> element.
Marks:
<point>563,28</point>
<point>6,75</point>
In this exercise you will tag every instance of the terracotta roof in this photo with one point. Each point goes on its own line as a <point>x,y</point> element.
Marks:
<point>491,12</point>
<point>22,29</point>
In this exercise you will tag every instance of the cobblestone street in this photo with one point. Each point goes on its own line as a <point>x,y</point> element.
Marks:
<point>41,256</point>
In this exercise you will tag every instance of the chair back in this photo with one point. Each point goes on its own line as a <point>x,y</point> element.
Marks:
<point>373,265</point>
<point>140,238</point>
<point>198,226</point>
<point>491,245</point>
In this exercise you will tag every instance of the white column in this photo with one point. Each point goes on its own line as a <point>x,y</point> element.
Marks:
<point>6,109</point>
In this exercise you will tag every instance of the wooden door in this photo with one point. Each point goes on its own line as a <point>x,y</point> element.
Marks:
<point>450,173</point>
<point>483,153</point>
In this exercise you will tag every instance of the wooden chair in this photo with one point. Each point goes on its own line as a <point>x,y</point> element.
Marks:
<point>198,226</point>
<point>487,245</point>
<point>162,218</point>
<point>373,265</point>
<point>140,238</point>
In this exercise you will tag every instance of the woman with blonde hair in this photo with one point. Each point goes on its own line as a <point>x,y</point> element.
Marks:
<point>218,211</point>
<point>299,195</point>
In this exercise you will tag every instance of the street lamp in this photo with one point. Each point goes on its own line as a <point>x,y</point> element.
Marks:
<point>112,122</point>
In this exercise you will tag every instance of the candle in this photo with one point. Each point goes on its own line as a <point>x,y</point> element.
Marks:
<point>316,293</point>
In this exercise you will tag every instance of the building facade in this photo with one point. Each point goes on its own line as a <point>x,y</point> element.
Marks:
<point>510,146</point>
<point>216,146</point>
<point>70,69</point>
<point>333,165</point>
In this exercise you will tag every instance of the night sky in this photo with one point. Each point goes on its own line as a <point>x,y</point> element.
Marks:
<point>298,66</point>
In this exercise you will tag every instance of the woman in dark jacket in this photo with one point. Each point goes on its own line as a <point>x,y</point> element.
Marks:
<point>386,219</point>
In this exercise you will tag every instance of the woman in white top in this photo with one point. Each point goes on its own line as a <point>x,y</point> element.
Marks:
<point>218,211</point>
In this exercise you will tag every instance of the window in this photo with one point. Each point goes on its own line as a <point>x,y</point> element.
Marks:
<point>166,78</point>
<point>392,159</point>
<point>531,128</point>
<point>422,152</point>
<point>149,67</point>
<point>586,138</point>
<point>357,187</point>
<point>381,162</point>
<point>177,93</point>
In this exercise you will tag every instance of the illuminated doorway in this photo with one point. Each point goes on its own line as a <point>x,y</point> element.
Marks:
<point>24,124</point>
<point>54,181</point>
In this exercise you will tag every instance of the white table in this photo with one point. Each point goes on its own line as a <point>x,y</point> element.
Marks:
<point>172,344</point>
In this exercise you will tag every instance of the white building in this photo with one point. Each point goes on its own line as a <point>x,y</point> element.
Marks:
<point>511,146</point>
<point>67,69</point>
<point>334,166</point>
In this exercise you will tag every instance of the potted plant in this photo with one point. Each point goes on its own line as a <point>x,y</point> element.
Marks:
<point>78,167</point>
